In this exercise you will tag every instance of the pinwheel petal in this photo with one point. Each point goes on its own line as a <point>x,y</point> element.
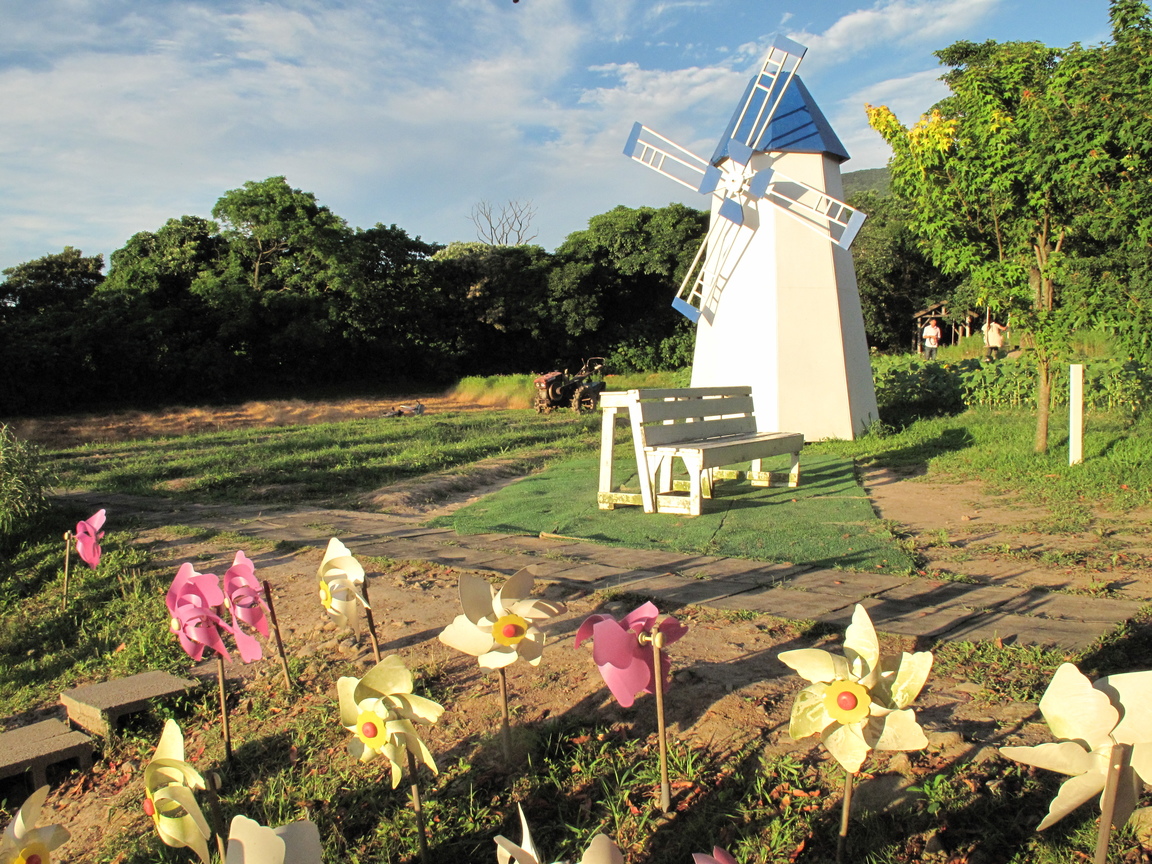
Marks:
<point>847,746</point>
<point>641,617</point>
<point>624,683</point>
<point>531,647</point>
<point>587,626</point>
<point>190,829</point>
<point>862,648</point>
<point>1132,692</point>
<point>418,709</point>
<point>1142,761</point>
<point>349,709</point>
<point>814,664</point>
<point>476,598</point>
<point>499,657</point>
<point>464,636</point>
<point>613,644</point>
<point>517,588</point>
<point>910,678</point>
<point>809,716</point>
<point>895,730</point>
<point>389,676</point>
<point>1067,757</point>
<point>672,630</point>
<point>602,851</point>
<point>1076,711</point>
<point>1072,794</point>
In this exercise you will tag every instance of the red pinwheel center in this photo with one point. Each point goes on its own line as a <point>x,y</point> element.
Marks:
<point>847,700</point>
<point>149,807</point>
<point>369,730</point>
<point>509,630</point>
<point>33,859</point>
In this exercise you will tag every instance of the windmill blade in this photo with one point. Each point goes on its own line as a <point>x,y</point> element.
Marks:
<point>709,271</point>
<point>814,209</point>
<point>666,157</point>
<point>779,67</point>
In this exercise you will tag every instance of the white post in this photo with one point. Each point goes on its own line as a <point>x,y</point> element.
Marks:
<point>1075,414</point>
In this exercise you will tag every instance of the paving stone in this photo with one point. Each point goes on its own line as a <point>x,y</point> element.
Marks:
<point>35,747</point>
<point>599,578</point>
<point>674,589</point>
<point>1027,630</point>
<point>1073,607</point>
<point>633,558</point>
<point>844,583</point>
<point>925,592</point>
<point>96,707</point>
<point>733,568</point>
<point>906,619</point>
<point>784,603</point>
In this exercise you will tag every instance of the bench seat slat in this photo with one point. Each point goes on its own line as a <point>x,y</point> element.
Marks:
<point>728,452</point>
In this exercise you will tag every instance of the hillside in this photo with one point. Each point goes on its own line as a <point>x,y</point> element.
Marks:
<point>867,179</point>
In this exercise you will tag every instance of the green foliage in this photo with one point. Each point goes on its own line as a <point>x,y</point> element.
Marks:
<point>23,480</point>
<point>908,387</point>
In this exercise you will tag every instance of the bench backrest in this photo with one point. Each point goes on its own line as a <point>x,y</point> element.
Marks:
<point>675,416</point>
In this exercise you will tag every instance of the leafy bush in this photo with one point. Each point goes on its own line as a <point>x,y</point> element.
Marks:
<point>23,478</point>
<point>908,387</point>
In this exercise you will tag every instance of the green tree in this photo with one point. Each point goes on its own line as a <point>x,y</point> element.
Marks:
<point>992,190</point>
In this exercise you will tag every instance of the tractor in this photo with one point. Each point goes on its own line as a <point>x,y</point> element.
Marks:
<point>564,390</point>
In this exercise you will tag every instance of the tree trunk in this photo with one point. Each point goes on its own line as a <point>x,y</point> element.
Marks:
<point>1043,402</point>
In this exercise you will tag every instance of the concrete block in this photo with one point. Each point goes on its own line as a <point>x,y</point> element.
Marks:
<point>35,747</point>
<point>845,583</point>
<point>785,603</point>
<point>97,707</point>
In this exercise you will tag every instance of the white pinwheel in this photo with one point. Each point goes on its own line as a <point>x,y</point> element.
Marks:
<point>1090,719</point>
<point>381,710</point>
<point>857,703</point>
<point>249,842</point>
<point>600,851</point>
<point>22,842</point>
<point>169,782</point>
<point>341,576</point>
<point>498,627</point>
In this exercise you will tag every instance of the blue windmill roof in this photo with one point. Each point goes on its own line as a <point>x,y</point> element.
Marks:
<point>799,125</point>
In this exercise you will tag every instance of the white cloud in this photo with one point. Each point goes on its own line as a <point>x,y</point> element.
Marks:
<point>893,22</point>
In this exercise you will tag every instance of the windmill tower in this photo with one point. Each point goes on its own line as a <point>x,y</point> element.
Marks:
<point>773,289</point>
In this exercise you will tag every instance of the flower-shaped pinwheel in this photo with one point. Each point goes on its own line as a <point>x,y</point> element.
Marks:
<point>340,576</point>
<point>627,666</point>
<point>718,856</point>
<point>1089,719</point>
<point>498,626</point>
<point>24,843</point>
<point>855,703</point>
<point>168,785</point>
<point>194,601</point>
<point>600,851</point>
<point>88,537</point>
<point>249,842</point>
<point>245,599</point>
<point>381,709</point>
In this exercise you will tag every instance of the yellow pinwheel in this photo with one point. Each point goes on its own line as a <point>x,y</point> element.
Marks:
<point>1090,719</point>
<point>169,782</point>
<point>249,842</point>
<point>381,710</point>
<point>24,843</point>
<point>498,626</point>
<point>600,851</point>
<point>856,703</point>
<point>341,576</point>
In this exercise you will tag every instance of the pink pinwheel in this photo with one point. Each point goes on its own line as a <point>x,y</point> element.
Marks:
<point>718,856</point>
<point>245,600</point>
<point>625,665</point>
<point>88,536</point>
<point>193,601</point>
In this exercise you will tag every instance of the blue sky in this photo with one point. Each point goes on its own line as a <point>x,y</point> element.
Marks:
<point>116,116</point>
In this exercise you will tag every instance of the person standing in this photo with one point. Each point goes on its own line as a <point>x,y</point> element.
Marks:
<point>993,339</point>
<point>931,336</point>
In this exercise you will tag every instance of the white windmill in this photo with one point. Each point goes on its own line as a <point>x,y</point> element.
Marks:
<point>773,289</point>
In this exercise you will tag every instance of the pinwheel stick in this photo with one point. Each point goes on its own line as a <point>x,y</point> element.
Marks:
<point>421,833</point>
<point>67,560</point>
<point>1116,765</point>
<point>224,708</point>
<point>505,727</point>
<point>657,640</point>
<point>845,810</point>
<point>211,784</point>
<point>276,630</point>
<point>371,622</point>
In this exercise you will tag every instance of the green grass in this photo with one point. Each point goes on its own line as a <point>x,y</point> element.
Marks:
<point>332,461</point>
<point>825,522</point>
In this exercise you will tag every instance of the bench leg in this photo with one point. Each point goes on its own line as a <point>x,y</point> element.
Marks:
<point>664,473</point>
<point>607,443</point>
<point>794,474</point>
<point>694,463</point>
<point>706,482</point>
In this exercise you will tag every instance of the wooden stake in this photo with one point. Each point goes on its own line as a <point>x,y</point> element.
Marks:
<point>845,811</point>
<point>211,782</point>
<point>1117,762</point>
<point>417,808</point>
<point>371,623</point>
<point>67,559</point>
<point>224,708</point>
<point>276,631</point>
<point>657,640</point>
<point>1075,413</point>
<point>505,727</point>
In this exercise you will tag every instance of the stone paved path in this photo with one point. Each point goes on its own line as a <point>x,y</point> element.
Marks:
<point>926,609</point>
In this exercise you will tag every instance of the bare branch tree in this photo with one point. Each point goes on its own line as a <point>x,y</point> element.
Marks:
<point>506,224</point>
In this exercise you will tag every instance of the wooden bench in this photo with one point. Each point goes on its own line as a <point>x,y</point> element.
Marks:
<point>704,427</point>
<point>35,747</point>
<point>97,707</point>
